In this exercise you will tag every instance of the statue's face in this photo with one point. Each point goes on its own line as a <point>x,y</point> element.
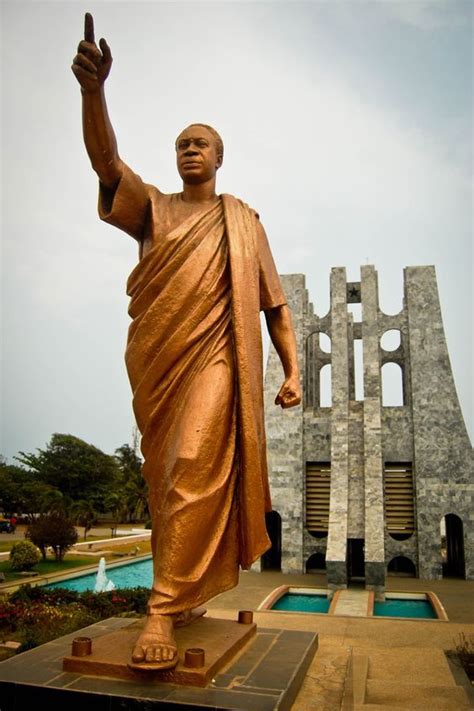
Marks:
<point>196,155</point>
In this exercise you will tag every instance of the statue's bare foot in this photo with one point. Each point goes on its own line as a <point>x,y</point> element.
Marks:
<point>187,616</point>
<point>155,648</point>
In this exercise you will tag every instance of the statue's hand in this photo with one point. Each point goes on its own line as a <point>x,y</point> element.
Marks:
<point>91,66</point>
<point>290,392</point>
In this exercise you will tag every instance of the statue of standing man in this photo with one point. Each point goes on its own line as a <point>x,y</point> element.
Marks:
<point>194,359</point>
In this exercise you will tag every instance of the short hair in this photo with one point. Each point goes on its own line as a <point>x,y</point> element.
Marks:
<point>218,140</point>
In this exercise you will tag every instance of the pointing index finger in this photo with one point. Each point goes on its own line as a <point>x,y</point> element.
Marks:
<point>89,28</point>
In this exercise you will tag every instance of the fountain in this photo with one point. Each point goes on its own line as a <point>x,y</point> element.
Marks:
<point>102,583</point>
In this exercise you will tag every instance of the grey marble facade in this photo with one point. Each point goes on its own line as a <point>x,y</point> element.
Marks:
<point>361,438</point>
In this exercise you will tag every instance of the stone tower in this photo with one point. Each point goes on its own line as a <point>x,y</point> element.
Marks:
<point>359,487</point>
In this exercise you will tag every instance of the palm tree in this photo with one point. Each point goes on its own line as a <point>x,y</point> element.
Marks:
<point>83,513</point>
<point>135,490</point>
<point>52,501</point>
<point>115,504</point>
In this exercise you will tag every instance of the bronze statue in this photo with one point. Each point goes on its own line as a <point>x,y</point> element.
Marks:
<point>194,358</point>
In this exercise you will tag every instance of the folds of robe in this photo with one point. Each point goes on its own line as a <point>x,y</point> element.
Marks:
<point>194,359</point>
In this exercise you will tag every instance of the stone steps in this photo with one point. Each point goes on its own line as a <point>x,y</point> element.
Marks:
<point>415,696</point>
<point>413,666</point>
<point>377,707</point>
<point>402,678</point>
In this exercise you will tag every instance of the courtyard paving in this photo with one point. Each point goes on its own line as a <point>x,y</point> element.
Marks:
<point>405,664</point>
<point>383,663</point>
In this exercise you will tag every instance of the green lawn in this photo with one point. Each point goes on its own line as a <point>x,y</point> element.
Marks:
<point>6,545</point>
<point>46,567</point>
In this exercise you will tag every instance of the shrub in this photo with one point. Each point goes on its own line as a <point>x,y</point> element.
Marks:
<point>26,594</point>
<point>24,556</point>
<point>106,604</point>
<point>7,615</point>
<point>35,615</point>
<point>464,649</point>
<point>53,529</point>
<point>50,622</point>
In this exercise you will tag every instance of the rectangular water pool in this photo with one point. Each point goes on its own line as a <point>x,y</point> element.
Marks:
<point>137,573</point>
<point>405,608</point>
<point>420,606</point>
<point>292,599</point>
<point>300,602</point>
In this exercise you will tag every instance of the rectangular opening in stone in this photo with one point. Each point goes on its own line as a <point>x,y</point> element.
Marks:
<point>355,559</point>
<point>398,499</point>
<point>358,370</point>
<point>318,487</point>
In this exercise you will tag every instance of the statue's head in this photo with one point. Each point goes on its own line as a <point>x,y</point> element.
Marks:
<point>199,153</point>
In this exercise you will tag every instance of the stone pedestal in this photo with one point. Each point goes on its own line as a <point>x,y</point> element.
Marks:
<point>264,675</point>
<point>220,640</point>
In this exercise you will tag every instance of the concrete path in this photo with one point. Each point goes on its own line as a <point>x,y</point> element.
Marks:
<point>404,665</point>
<point>354,603</point>
<point>404,661</point>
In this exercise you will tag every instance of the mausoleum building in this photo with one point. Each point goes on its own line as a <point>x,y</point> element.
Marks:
<point>359,487</point>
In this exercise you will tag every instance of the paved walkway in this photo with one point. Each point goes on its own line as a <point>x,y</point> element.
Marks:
<point>132,533</point>
<point>402,664</point>
<point>353,603</point>
<point>457,596</point>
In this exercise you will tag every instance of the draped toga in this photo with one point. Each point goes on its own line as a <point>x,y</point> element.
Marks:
<point>194,359</point>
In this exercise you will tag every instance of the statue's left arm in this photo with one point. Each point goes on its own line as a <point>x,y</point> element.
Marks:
<point>280,328</point>
<point>279,322</point>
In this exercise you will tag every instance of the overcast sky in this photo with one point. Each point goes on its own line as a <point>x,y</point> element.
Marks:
<point>347,125</point>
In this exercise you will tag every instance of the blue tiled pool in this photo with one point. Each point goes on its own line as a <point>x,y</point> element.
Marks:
<point>395,607</point>
<point>300,602</point>
<point>129,575</point>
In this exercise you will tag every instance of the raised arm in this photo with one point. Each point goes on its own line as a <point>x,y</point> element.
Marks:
<point>91,67</point>
<point>280,328</point>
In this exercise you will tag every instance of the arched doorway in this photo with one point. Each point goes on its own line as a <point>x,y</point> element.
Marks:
<point>453,565</point>
<point>271,560</point>
<point>316,563</point>
<point>403,566</point>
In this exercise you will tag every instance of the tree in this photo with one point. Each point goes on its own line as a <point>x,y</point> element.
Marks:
<point>21,491</point>
<point>53,530</point>
<point>79,470</point>
<point>38,533</point>
<point>84,514</point>
<point>134,487</point>
<point>9,494</point>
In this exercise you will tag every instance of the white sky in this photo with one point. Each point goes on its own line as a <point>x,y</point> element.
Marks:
<point>347,125</point>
